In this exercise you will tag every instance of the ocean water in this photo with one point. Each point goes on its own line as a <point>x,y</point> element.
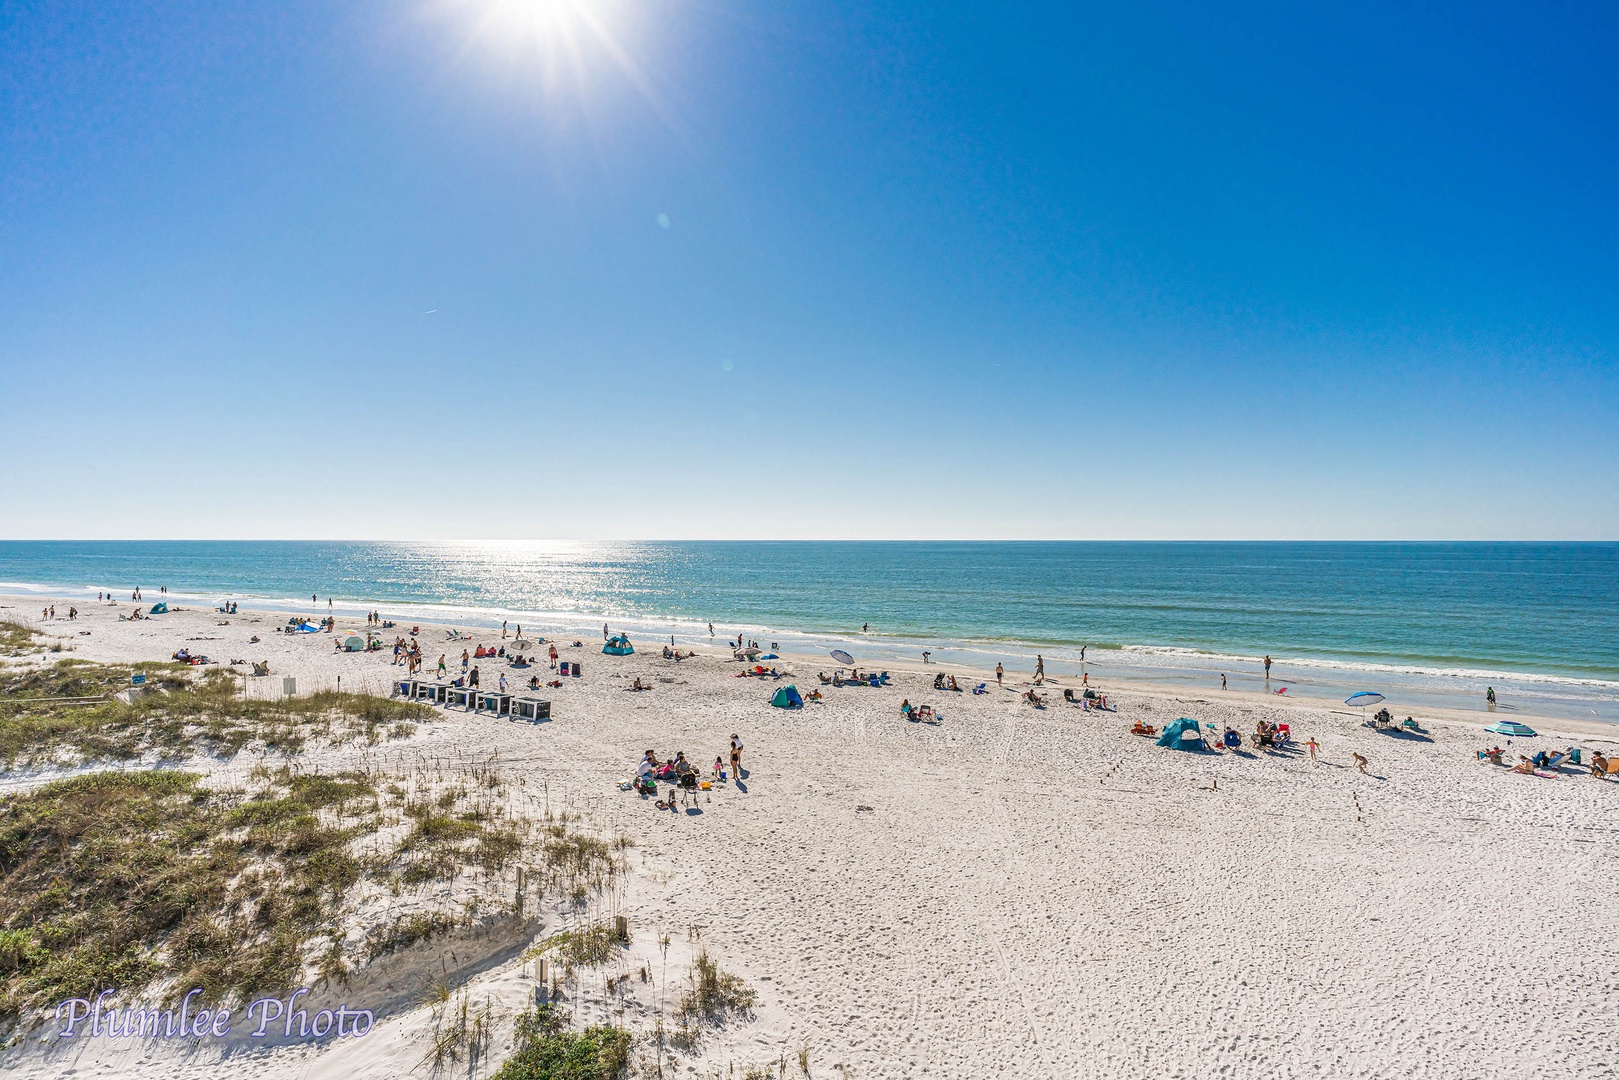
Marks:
<point>1426,623</point>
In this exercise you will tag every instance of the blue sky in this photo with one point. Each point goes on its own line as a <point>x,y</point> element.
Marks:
<point>496,268</point>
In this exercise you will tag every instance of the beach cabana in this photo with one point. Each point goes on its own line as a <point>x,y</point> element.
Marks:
<point>618,645</point>
<point>432,692</point>
<point>532,709</point>
<point>787,698</point>
<point>159,608</point>
<point>1181,734</point>
<point>1512,728</point>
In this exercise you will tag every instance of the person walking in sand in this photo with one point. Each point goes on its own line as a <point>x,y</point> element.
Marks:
<point>503,629</point>
<point>442,670</point>
<point>736,755</point>
<point>1039,668</point>
<point>466,658</point>
<point>472,679</point>
<point>1314,746</point>
<point>1360,762</point>
<point>1222,680</point>
<point>999,672</point>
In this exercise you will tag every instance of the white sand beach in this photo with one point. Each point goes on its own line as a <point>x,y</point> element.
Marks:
<point>1010,891</point>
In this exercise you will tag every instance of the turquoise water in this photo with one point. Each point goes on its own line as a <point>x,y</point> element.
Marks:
<point>1429,621</point>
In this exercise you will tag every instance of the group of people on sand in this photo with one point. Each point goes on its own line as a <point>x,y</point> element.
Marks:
<point>1546,763</point>
<point>683,775</point>
<point>672,653</point>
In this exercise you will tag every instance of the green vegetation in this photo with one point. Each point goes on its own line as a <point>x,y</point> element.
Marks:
<point>713,996</point>
<point>176,714</point>
<point>16,639</point>
<point>590,947</point>
<point>547,1051</point>
<point>114,879</point>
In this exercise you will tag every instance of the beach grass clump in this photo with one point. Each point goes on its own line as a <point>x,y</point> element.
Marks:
<point>44,714</point>
<point>589,947</point>
<point>17,639</point>
<point>547,1050</point>
<point>712,997</point>
<point>575,863</point>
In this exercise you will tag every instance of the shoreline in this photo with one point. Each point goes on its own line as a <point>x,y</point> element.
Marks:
<point>1174,670</point>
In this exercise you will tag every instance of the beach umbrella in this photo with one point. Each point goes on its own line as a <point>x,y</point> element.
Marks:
<point>842,657</point>
<point>1363,699</point>
<point>1512,729</point>
<point>522,643</point>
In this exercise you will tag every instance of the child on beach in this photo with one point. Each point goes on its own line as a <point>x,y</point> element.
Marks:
<point>1313,745</point>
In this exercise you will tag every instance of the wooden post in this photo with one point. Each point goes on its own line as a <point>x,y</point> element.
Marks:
<point>520,884</point>
<point>621,928</point>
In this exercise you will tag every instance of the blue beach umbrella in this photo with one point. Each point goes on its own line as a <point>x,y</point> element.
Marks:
<point>1365,697</point>
<point>842,657</point>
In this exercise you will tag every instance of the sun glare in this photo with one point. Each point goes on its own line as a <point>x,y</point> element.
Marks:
<point>561,42</point>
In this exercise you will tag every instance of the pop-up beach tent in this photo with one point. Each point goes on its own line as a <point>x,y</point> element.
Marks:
<point>1181,734</point>
<point>787,698</point>
<point>618,645</point>
<point>353,642</point>
<point>159,608</point>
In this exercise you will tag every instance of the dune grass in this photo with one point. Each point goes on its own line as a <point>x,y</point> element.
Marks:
<point>116,879</point>
<point>17,639</point>
<point>180,711</point>
<point>126,879</point>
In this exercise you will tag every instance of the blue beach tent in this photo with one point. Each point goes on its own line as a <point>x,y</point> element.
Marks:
<point>787,698</point>
<point>1181,734</point>
<point>159,608</point>
<point>618,645</point>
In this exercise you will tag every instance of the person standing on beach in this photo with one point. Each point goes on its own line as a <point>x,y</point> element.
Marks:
<point>1039,668</point>
<point>999,672</point>
<point>736,755</point>
<point>441,668</point>
<point>553,656</point>
<point>503,629</point>
<point>466,658</point>
<point>472,680</point>
<point>1489,696</point>
<point>1222,680</point>
<point>1267,668</point>
<point>710,629</point>
<point>1314,746</point>
<point>1082,649</point>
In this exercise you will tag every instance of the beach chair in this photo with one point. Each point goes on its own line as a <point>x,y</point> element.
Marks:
<point>1611,770</point>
